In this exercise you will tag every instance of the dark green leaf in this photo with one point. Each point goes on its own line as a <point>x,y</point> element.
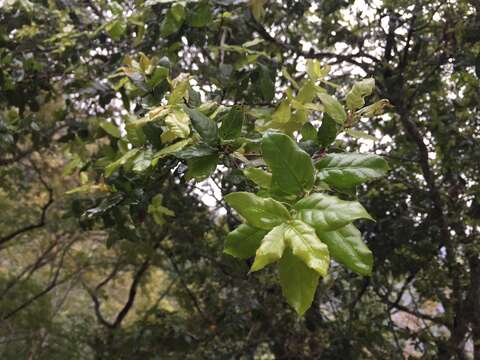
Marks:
<point>350,169</point>
<point>325,212</point>
<point>201,168</point>
<point>206,127</point>
<point>232,123</point>
<point>327,132</point>
<point>292,168</point>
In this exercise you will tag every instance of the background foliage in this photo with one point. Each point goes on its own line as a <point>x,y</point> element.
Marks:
<point>94,264</point>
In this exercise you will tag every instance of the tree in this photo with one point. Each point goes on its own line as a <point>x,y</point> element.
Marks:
<point>177,117</point>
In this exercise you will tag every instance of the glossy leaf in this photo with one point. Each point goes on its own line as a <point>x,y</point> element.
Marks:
<point>206,127</point>
<point>171,149</point>
<point>244,241</point>
<point>260,177</point>
<point>350,169</point>
<point>263,213</point>
<point>173,20</point>
<point>292,168</point>
<point>201,168</point>
<point>306,245</point>
<point>121,161</point>
<point>326,212</point>
<point>346,246</point>
<point>271,248</point>
<point>178,125</point>
<point>298,282</point>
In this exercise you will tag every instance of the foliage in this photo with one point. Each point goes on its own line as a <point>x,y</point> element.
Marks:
<point>153,152</point>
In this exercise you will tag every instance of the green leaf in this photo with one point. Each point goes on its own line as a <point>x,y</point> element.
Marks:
<point>283,113</point>
<point>356,96</point>
<point>333,107</point>
<point>206,127</point>
<point>315,70</point>
<point>121,161</point>
<point>298,282</point>
<point>292,168</point>
<point>232,123</point>
<point>307,92</point>
<point>171,149</point>
<point>178,126</point>
<point>116,29</point>
<point>271,248</point>
<point>179,90</point>
<point>305,245</point>
<point>173,20</point>
<point>111,129</point>
<point>201,15</point>
<point>263,213</point>
<point>257,8</point>
<point>266,83</point>
<point>244,241</point>
<point>142,161</point>
<point>260,177</point>
<point>375,109</point>
<point>360,135</point>
<point>308,132</point>
<point>346,246</point>
<point>195,151</point>
<point>350,169</point>
<point>326,212</point>
<point>327,132</point>
<point>201,168</point>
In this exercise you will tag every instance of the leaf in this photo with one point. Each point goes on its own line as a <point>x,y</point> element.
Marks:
<point>195,151</point>
<point>271,248</point>
<point>171,149</point>
<point>298,282</point>
<point>346,246</point>
<point>260,177</point>
<point>266,83</point>
<point>263,213</point>
<point>257,8</point>
<point>374,109</point>
<point>333,107</point>
<point>121,161</point>
<point>315,71</point>
<point>142,161</point>
<point>307,92</point>
<point>305,245</point>
<point>356,96</point>
<point>206,127</point>
<point>178,125</point>
<point>347,170</point>
<point>326,212</point>
<point>292,168</point>
<point>327,132</point>
<point>201,168</point>
<point>232,123</point>
<point>202,15</point>
<point>173,20</point>
<point>179,89</point>
<point>360,135</point>
<point>111,129</point>
<point>308,132</point>
<point>244,241</point>
<point>283,113</point>
<point>116,29</point>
